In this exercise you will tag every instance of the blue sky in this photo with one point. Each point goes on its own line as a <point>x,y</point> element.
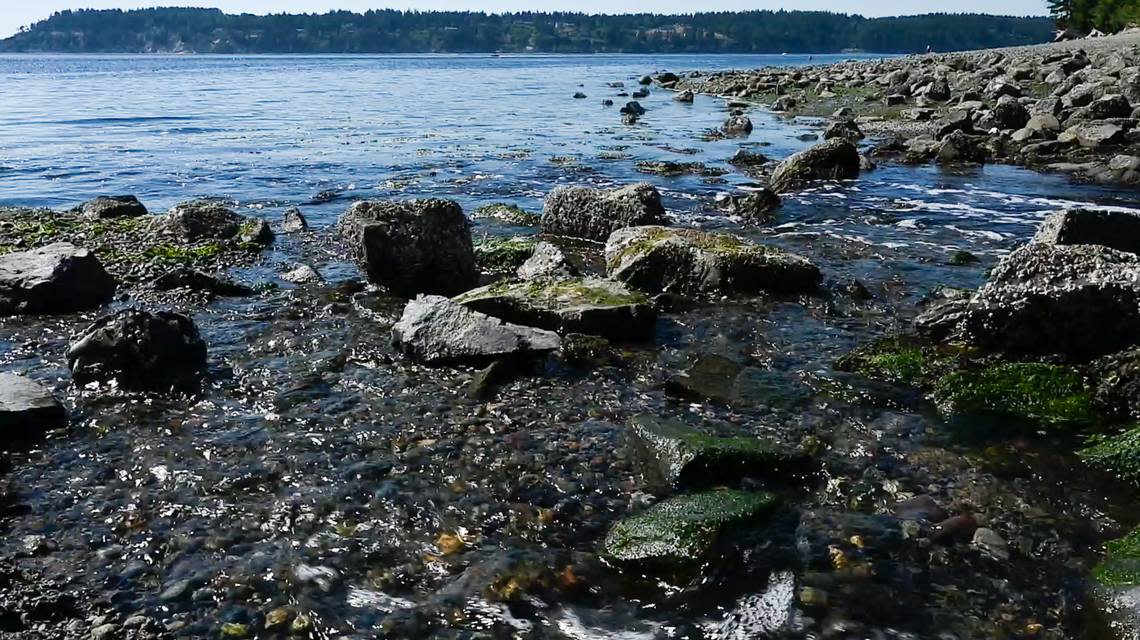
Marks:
<point>26,12</point>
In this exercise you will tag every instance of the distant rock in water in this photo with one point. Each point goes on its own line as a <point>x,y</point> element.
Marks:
<point>113,207</point>
<point>435,330</point>
<point>739,125</point>
<point>658,259</point>
<point>831,160</point>
<point>140,350</point>
<point>27,410</point>
<point>595,213</point>
<point>58,278</point>
<point>412,247</point>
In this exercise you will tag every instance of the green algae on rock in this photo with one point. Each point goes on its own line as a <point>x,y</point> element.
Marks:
<point>502,255</point>
<point>567,305</point>
<point>1118,454</point>
<point>682,530</point>
<point>511,214</point>
<point>1045,393</point>
<point>1121,564</point>
<point>657,259</point>
<point>902,360</point>
<point>680,456</point>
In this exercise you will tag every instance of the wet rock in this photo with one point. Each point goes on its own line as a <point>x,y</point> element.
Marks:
<point>683,530</point>
<point>595,213</point>
<point>902,360</point>
<point>685,96</point>
<point>687,261</point>
<point>1115,591</point>
<point>200,220</point>
<point>256,231</point>
<point>784,103</point>
<point>711,377</point>
<point>846,543</point>
<point>1115,229</point>
<point>194,280</point>
<point>138,349</point>
<point>990,543</point>
<point>487,381</point>
<point>567,305</point>
<point>755,207</point>
<point>676,455</point>
<point>834,159</point>
<point>58,278</point>
<point>578,95</point>
<point>496,254</point>
<point>302,274</point>
<point>959,147</point>
<point>954,528</point>
<point>747,158</point>
<point>1078,301</point>
<point>112,207</point>
<point>1117,381</point>
<point>846,129</point>
<point>1028,391</point>
<point>509,213</point>
<point>436,330</point>
<point>737,125</point>
<point>27,410</point>
<point>410,247</point>
<point>922,508</point>
<point>546,261</point>
<point>293,221</point>
<point>633,108</point>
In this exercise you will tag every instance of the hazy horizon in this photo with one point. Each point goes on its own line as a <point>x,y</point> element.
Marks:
<point>15,17</point>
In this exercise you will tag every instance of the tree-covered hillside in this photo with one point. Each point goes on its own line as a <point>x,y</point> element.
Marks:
<point>1106,15</point>
<point>388,31</point>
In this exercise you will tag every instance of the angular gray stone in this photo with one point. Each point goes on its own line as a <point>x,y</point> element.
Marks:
<point>659,259</point>
<point>435,330</point>
<point>412,247</point>
<point>139,349</point>
<point>593,214</point>
<point>58,278</point>
<point>831,160</point>
<point>27,410</point>
<point>547,261</point>
<point>738,125</point>
<point>293,221</point>
<point>200,220</point>
<point>755,207</point>
<point>112,207</point>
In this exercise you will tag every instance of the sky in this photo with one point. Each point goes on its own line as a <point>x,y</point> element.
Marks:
<point>17,13</point>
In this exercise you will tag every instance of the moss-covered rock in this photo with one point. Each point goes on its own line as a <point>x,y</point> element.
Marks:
<point>903,360</point>
<point>511,214</point>
<point>677,455</point>
<point>683,530</point>
<point>1044,393</point>
<point>502,255</point>
<point>567,305</point>
<point>1118,453</point>
<point>657,259</point>
<point>1121,564</point>
<point>671,168</point>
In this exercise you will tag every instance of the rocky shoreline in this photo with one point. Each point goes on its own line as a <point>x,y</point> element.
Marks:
<point>1070,107</point>
<point>600,424</point>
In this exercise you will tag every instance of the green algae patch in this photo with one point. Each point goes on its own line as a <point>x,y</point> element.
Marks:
<point>678,455</point>
<point>903,360</point>
<point>496,254</point>
<point>1118,454</point>
<point>509,213</point>
<point>1044,393</point>
<point>684,529</point>
<point>1121,564</point>
<point>672,169</point>
<point>567,305</point>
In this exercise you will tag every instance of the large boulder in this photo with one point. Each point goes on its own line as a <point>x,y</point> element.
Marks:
<point>58,278</point>
<point>831,160</point>
<point>112,207</point>
<point>1114,229</point>
<point>1092,135</point>
<point>139,350</point>
<point>682,531</point>
<point>1076,301</point>
<point>676,455</point>
<point>27,410</point>
<point>658,259</point>
<point>412,247</point>
<point>595,213</point>
<point>567,305</point>
<point>201,220</point>
<point>435,330</point>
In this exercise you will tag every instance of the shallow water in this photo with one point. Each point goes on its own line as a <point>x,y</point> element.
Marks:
<point>318,470</point>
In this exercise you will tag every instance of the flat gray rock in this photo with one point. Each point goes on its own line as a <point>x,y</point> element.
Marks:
<point>58,278</point>
<point>27,409</point>
<point>435,330</point>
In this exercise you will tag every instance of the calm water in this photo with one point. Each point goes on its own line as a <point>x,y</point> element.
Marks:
<point>317,445</point>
